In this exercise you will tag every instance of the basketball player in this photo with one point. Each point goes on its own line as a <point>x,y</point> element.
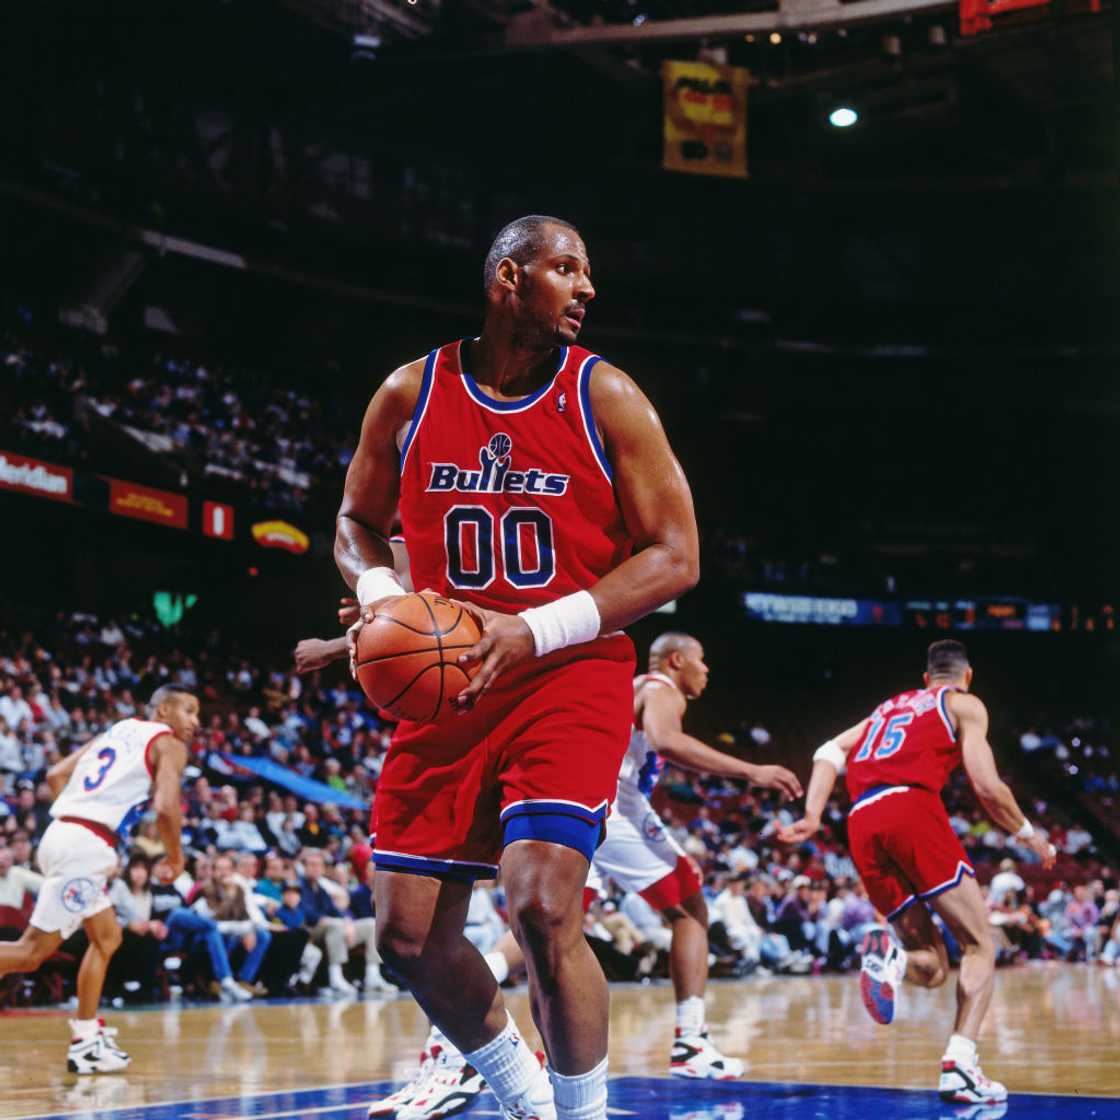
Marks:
<point>639,853</point>
<point>100,793</point>
<point>536,484</point>
<point>911,862</point>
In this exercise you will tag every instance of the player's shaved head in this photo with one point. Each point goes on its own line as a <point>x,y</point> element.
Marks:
<point>672,641</point>
<point>947,660</point>
<point>521,241</point>
<point>163,695</point>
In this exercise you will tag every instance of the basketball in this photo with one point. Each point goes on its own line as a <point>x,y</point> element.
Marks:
<point>407,657</point>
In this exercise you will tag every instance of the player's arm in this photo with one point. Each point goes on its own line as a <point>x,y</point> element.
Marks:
<point>661,716</point>
<point>993,793</point>
<point>317,653</point>
<point>372,490</point>
<point>170,761</point>
<point>656,506</point>
<point>829,762</point>
<point>59,774</point>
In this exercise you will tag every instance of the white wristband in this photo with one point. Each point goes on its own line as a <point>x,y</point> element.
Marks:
<point>1026,832</point>
<point>377,583</point>
<point>566,622</point>
<point>831,752</point>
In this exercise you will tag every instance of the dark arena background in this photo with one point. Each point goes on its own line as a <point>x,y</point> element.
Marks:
<point>862,256</point>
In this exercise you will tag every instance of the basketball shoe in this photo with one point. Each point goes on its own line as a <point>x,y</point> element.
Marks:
<point>963,1082</point>
<point>694,1055</point>
<point>537,1102</point>
<point>881,973</point>
<point>445,1087</point>
<point>95,1054</point>
<point>389,1106</point>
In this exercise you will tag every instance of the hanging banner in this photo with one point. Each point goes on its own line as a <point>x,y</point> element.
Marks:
<point>34,476</point>
<point>146,503</point>
<point>217,520</point>
<point>705,118</point>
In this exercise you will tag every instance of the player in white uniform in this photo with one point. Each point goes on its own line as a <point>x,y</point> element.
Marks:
<point>639,853</point>
<point>100,793</point>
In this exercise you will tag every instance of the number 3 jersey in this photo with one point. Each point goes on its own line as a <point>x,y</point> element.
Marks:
<point>112,782</point>
<point>910,741</point>
<point>508,504</point>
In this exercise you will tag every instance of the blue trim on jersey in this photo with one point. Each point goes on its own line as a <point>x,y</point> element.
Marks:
<point>943,708</point>
<point>444,868</point>
<point>898,911</point>
<point>588,417</point>
<point>555,828</point>
<point>487,401</point>
<point>546,806</point>
<point>962,870</point>
<point>421,405</point>
<point>876,789</point>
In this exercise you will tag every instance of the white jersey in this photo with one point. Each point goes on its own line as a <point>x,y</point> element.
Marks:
<point>642,765</point>
<point>112,782</point>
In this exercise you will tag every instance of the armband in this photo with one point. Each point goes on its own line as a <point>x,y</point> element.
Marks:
<point>377,583</point>
<point>566,622</point>
<point>831,752</point>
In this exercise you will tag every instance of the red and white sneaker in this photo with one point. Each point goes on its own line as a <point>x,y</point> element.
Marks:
<point>389,1106</point>
<point>881,973</point>
<point>96,1055</point>
<point>449,1086</point>
<point>965,1083</point>
<point>694,1055</point>
<point>537,1102</point>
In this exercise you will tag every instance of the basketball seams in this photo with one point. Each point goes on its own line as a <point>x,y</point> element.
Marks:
<point>439,645</point>
<point>410,652</point>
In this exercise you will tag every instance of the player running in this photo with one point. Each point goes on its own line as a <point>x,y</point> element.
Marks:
<point>640,854</point>
<point>911,862</point>
<point>534,482</point>
<point>101,791</point>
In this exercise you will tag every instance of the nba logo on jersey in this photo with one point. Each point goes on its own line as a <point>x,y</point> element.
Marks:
<point>561,402</point>
<point>78,894</point>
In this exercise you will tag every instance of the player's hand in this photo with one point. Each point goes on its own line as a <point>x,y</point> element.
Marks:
<point>312,654</point>
<point>799,831</point>
<point>776,777</point>
<point>506,640</point>
<point>1042,848</point>
<point>348,611</point>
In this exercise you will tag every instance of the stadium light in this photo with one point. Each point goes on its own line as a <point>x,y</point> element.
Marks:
<point>843,117</point>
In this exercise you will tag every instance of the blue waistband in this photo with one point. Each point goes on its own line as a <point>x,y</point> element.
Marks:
<point>877,789</point>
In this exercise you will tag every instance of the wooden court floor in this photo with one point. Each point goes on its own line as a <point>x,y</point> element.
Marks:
<point>1053,1029</point>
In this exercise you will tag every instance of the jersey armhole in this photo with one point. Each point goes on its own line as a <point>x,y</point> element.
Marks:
<point>943,711</point>
<point>421,406</point>
<point>149,765</point>
<point>583,383</point>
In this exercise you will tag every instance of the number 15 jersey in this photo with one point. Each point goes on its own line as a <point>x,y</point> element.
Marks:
<point>910,741</point>
<point>508,504</point>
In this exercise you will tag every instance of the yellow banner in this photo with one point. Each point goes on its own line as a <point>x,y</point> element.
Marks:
<point>705,118</point>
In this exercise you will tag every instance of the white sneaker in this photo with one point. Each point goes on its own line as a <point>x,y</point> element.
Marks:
<point>375,982</point>
<point>340,986</point>
<point>965,1083</point>
<point>95,1055</point>
<point>449,1087</point>
<point>881,973</point>
<point>404,1095</point>
<point>232,990</point>
<point>694,1055</point>
<point>537,1102</point>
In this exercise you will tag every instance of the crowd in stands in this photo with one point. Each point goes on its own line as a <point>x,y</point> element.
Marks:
<point>218,421</point>
<point>276,895</point>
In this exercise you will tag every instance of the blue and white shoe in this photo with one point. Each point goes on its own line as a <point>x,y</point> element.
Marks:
<point>881,973</point>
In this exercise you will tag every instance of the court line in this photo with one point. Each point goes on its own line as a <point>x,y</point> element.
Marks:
<point>361,1104</point>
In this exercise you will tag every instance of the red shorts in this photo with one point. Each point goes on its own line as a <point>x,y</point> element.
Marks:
<point>904,847</point>
<point>536,759</point>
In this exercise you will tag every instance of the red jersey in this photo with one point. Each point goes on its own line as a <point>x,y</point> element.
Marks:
<point>910,741</point>
<point>508,504</point>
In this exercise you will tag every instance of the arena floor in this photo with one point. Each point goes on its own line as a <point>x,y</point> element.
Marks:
<point>1053,1036</point>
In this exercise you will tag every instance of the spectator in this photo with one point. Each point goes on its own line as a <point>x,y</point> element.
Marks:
<point>133,967</point>
<point>240,921</point>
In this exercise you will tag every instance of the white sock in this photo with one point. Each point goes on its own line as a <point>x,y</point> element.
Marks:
<point>690,1015</point>
<point>961,1049</point>
<point>506,1063</point>
<point>582,1097</point>
<point>436,1037</point>
<point>498,965</point>
<point>82,1030</point>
